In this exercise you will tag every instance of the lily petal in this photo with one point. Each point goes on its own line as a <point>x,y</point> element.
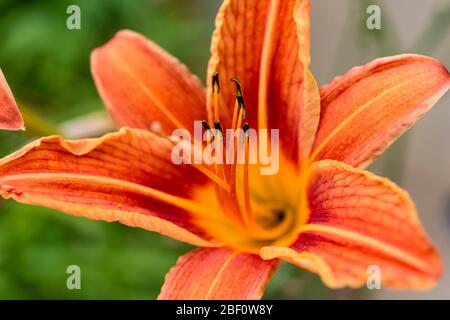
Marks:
<point>125,176</point>
<point>265,44</point>
<point>141,83</point>
<point>358,220</point>
<point>366,110</point>
<point>10,117</point>
<point>217,274</point>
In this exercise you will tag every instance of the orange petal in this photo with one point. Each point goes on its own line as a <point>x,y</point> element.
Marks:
<point>10,117</point>
<point>265,44</point>
<point>364,111</point>
<point>125,176</point>
<point>141,83</point>
<point>217,274</point>
<point>359,220</point>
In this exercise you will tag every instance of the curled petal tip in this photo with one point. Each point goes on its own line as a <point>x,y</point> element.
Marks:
<point>10,117</point>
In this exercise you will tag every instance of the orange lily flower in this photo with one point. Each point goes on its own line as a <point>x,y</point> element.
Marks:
<point>322,211</point>
<point>10,117</point>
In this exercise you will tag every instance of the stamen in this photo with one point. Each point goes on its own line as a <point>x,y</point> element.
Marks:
<point>238,87</point>
<point>245,128</point>
<point>215,82</point>
<point>239,102</point>
<point>235,114</point>
<point>216,91</point>
<point>218,126</point>
<point>220,175</point>
<point>240,117</point>
<point>205,170</point>
<point>205,125</point>
<point>248,214</point>
<point>208,130</point>
<point>242,111</point>
<point>214,177</point>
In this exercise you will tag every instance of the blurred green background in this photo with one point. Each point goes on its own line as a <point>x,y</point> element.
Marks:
<point>47,67</point>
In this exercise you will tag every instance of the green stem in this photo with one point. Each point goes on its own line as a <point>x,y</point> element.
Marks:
<point>35,124</point>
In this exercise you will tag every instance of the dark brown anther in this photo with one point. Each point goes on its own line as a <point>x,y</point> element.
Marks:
<point>241,102</point>
<point>246,128</point>
<point>205,125</point>
<point>208,129</point>
<point>238,87</point>
<point>215,82</point>
<point>218,126</point>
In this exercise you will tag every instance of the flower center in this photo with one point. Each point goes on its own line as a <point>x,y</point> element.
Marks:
<point>252,210</point>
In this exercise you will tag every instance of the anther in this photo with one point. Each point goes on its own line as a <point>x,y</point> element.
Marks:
<point>238,87</point>
<point>218,126</point>
<point>208,129</point>
<point>205,125</point>
<point>215,82</point>
<point>216,90</point>
<point>241,102</point>
<point>246,128</point>
<point>240,110</point>
<point>248,217</point>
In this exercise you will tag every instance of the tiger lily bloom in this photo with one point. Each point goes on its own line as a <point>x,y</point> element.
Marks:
<point>10,117</point>
<point>322,211</point>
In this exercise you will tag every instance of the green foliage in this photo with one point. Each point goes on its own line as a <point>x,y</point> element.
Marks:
<point>48,65</point>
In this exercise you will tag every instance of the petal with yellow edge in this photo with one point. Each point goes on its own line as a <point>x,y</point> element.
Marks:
<point>217,274</point>
<point>10,117</point>
<point>126,176</point>
<point>364,111</point>
<point>141,83</point>
<point>266,44</point>
<point>358,220</point>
